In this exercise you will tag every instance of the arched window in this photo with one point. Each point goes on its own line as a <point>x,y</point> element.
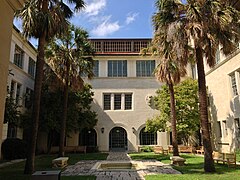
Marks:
<point>147,138</point>
<point>88,137</point>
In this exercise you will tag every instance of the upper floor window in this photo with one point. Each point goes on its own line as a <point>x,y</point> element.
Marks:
<point>217,56</point>
<point>107,101</point>
<point>18,57</point>
<point>117,101</point>
<point>28,98</point>
<point>234,84</point>
<point>145,68</point>
<point>96,68</point>
<point>31,67</point>
<point>117,68</point>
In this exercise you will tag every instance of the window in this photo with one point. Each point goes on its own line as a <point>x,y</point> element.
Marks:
<point>117,101</point>
<point>107,101</point>
<point>28,98</point>
<point>234,85</point>
<point>147,138</point>
<point>12,91</point>
<point>237,125</point>
<point>225,128</point>
<point>219,129</point>
<point>117,68</point>
<point>18,93</point>
<point>18,57</point>
<point>96,68</point>
<point>128,101</point>
<point>217,56</point>
<point>31,67</point>
<point>145,68</point>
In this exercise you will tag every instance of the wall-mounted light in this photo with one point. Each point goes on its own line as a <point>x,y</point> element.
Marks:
<point>102,129</point>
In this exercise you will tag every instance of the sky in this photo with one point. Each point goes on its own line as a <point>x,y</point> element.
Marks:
<point>114,18</point>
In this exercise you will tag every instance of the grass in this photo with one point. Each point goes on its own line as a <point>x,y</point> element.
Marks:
<point>43,162</point>
<point>193,170</point>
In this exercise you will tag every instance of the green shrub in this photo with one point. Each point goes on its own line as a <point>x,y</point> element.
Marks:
<point>14,148</point>
<point>147,149</point>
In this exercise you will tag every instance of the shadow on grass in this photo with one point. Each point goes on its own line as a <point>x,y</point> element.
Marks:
<point>44,163</point>
<point>194,164</point>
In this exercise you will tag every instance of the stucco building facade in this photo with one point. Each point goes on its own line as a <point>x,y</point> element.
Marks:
<point>223,82</point>
<point>20,82</point>
<point>7,9</point>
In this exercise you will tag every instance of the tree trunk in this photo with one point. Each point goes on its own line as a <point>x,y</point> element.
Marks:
<point>173,120</point>
<point>64,118</point>
<point>208,159</point>
<point>29,165</point>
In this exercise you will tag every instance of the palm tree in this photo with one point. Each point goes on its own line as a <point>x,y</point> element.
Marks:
<point>206,25</point>
<point>170,72</point>
<point>42,19</point>
<point>70,56</point>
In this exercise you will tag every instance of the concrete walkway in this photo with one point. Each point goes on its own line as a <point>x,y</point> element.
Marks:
<point>150,167</point>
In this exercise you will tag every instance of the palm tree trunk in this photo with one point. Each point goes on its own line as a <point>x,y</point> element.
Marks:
<point>64,118</point>
<point>208,159</point>
<point>173,120</point>
<point>29,165</point>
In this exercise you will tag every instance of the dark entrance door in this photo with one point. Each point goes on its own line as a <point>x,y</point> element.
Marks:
<point>118,139</point>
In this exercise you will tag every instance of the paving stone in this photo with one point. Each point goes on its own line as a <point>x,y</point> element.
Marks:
<point>152,167</point>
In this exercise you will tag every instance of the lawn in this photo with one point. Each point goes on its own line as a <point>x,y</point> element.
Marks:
<point>193,170</point>
<point>43,162</point>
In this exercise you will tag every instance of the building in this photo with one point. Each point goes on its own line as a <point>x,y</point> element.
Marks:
<point>123,86</point>
<point>22,65</point>
<point>223,82</point>
<point>7,9</point>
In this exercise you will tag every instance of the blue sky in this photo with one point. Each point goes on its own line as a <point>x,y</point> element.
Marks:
<point>115,18</point>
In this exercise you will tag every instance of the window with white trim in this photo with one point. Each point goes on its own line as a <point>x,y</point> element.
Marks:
<point>107,101</point>
<point>16,92</point>
<point>145,68</point>
<point>217,56</point>
<point>31,67</point>
<point>225,128</point>
<point>117,68</point>
<point>18,56</point>
<point>234,84</point>
<point>237,125</point>
<point>117,101</point>
<point>96,68</point>
<point>219,129</point>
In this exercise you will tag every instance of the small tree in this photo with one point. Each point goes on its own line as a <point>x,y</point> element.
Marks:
<point>186,96</point>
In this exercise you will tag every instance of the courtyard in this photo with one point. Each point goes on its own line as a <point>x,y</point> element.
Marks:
<point>156,166</point>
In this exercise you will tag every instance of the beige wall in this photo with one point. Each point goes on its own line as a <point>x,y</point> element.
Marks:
<point>19,75</point>
<point>224,106</point>
<point>7,9</point>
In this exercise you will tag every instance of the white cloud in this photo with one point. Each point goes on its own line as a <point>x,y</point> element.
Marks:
<point>131,17</point>
<point>106,27</point>
<point>94,7</point>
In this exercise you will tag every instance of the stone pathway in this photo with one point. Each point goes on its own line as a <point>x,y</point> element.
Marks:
<point>151,167</point>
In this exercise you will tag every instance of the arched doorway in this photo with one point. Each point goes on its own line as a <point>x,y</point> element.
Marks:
<point>118,139</point>
<point>147,138</point>
<point>88,137</point>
